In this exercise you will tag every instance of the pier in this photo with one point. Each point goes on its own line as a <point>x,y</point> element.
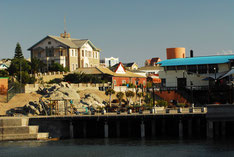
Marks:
<point>188,122</point>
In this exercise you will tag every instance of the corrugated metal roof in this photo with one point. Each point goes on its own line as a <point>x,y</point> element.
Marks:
<point>197,60</point>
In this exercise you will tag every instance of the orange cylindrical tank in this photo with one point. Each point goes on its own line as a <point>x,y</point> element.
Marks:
<point>178,52</point>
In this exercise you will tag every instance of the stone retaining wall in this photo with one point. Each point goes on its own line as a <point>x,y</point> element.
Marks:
<point>80,86</point>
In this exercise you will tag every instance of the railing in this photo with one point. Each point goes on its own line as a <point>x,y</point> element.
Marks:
<point>13,91</point>
<point>118,112</point>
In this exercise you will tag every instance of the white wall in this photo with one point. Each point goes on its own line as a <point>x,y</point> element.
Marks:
<point>197,79</point>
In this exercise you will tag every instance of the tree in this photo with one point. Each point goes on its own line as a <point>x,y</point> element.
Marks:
<point>109,92</point>
<point>82,78</point>
<point>36,65</point>
<point>24,78</point>
<point>17,65</point>
<point>18,51</point>
<point>129,94</point>
<point>148,99</point>
<point>4,73</point>
<point>120,96</point>
<point>140,95</point>
<point>56,67</point>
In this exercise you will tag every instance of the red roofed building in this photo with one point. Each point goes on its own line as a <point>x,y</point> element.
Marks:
<point>152,61</point>
<point>123,77</point>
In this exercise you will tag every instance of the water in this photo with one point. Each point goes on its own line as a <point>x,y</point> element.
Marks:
<point>118,148</point>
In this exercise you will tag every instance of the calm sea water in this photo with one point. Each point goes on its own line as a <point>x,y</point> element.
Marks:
<point>118,148</point>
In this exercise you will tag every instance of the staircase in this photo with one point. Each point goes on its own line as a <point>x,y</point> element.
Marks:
<point>12,128</point>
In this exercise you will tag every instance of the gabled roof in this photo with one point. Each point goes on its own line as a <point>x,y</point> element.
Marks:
<point>155,60</point>
<point>119,66</point>
<point>129,64</point>
<point>70,42</point>
<point>197,60</point>
<point>103,70</point>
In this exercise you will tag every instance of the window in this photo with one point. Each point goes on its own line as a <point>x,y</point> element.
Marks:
<point>73,67</point>
<point>96,54</point>
<point>49,42</point>
<point>49,52</point>
<point>123,81</point>
<point>213,68</point>
<point>181,67</point>
<point>115,82</point>
<point>192,68</point>
<point>76,53</point>
<point>82,53</point>
<point>76,66</point>
<point>39,54</point>
<point>171,68</point>
<point>202,69</point>
<point>163,82</point>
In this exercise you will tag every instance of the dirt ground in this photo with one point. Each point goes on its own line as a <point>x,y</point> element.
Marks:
<point>18,100</point>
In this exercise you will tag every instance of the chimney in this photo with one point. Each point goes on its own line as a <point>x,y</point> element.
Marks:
<point>191,53</point>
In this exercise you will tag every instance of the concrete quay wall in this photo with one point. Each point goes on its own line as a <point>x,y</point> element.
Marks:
<point>104,126</point>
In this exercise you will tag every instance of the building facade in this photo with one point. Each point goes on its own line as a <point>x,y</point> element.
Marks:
<point>68,52</point>
<point>109,62</point>
<point>194,71</point>
<point>152,61</point>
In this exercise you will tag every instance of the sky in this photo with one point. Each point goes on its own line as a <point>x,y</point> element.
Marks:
<point>133,30</point>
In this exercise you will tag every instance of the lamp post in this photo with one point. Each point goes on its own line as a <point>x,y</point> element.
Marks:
<point>215,73</point>
<point>153,94</point>
<point>191,84</point>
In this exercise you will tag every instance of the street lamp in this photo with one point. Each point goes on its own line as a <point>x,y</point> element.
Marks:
<point>153,85</point>
<point>215,73</point>
<point>191,83</point>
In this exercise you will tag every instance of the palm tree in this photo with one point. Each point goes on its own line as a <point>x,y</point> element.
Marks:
<point>140,95</point>
<point>109,92</point>
<point>120,96</point>
<point>129,94</point>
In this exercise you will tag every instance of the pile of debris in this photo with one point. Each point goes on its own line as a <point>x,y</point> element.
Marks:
<point>67,99</point>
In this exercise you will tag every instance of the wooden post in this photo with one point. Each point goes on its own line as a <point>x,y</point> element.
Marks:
<point>142,129</point>
<point>210,129</point>
<point>180,129</point>
<point>153,128</point>
<point>71,130</point>
<point>106,130</point>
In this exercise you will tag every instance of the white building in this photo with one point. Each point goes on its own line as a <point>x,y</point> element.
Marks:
<point>69,52</point>
<point>195,71</point>
<point>109,62</point>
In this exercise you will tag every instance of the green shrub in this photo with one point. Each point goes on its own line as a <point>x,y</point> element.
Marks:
<point>56,80</point>
<point>83,78</point>
<point>162,103</point>
<point>181,104</point>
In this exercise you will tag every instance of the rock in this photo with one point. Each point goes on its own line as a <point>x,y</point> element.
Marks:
<point>65,84</point>
<point>33,110</point>
<point>94,96</point>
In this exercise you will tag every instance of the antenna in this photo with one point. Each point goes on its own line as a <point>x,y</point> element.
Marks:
<point>64,25</point>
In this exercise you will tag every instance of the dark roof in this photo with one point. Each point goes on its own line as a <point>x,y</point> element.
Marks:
<point>128,64</point>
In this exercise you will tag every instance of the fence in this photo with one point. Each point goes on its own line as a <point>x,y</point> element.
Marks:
<point>13,90</point>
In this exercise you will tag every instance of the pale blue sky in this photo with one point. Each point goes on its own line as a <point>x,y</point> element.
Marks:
<point>133,30</point>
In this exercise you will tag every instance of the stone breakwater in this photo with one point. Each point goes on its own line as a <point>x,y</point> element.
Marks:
<point>60,93</point>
